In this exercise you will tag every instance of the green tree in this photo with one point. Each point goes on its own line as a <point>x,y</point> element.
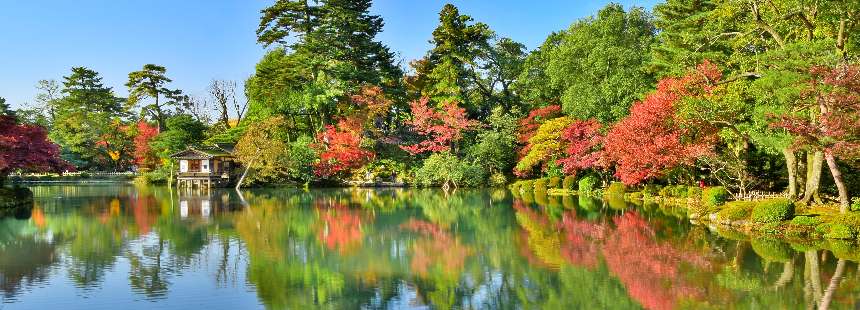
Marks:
<point>4,108</point>
<point>151,83</point>
<point>687,36</point>
<point>83,117</point>
<point>498,66</point>
<point>533,84</point>
<point>182,130</point>
<point>446,72</point>
<point>264,150</point>
<point>495,149</point>
<point>337,37</point>
<point>600,64</point>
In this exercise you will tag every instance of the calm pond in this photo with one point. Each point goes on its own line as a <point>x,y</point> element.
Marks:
<point>125,247</point>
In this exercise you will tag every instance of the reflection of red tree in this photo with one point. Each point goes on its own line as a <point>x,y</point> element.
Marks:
<point>649,270</point>
<point>342,227</point>
<point>580,244</point>
<point>144,213</point>
<point>571,240</point>
<point>442,250</point>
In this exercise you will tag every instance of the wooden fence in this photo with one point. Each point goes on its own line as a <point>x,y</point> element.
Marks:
<point>762,195</point>
<point>75,174</point>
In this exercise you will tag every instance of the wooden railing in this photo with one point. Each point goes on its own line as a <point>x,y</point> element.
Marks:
<point>198,174</point>
<point>762,195</point>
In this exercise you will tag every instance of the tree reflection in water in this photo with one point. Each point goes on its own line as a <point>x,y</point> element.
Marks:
<point>354,248</point>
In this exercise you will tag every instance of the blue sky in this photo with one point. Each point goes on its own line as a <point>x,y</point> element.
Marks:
<point>200,40</point>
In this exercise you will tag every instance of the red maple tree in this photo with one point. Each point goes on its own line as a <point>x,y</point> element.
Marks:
<point>439,127</point>
<point>26,147</point>
<point>144,156</point>
<point>583,148</point>
<point>652,139</point>
<point>340,148</point>
<point>835,97</point>
<point>530,124</point>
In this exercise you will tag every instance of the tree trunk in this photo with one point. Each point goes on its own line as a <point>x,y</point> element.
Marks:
<point>242,178</point>
<point>800,174</point>
<point>791,165</point>
<point>840,185</point>
<point>813,177</point>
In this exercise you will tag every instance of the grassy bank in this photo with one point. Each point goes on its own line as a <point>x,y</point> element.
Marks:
<point>770,218</point>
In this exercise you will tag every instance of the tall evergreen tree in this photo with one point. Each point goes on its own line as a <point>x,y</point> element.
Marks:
<point>687,36</point>
<point>445,73</point>
<point>337,37</point>
<point>84,117</point>
<point>151,82</point>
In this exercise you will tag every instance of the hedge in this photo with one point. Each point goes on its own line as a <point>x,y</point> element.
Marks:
<point>736,210</point>
<point>587,184</point>
<point>715,196</point>
<point>773,210</point>
<point>616,188</point>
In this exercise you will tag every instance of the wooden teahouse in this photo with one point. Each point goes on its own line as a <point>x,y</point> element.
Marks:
<point>206,166</point>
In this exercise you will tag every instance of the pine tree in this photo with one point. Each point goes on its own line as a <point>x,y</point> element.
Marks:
<point>685,39</point>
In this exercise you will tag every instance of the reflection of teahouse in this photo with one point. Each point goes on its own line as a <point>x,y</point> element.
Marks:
<point>204,203</point>
<point>207,166</point>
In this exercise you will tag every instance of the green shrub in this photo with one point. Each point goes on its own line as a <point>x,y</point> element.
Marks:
<point>773,210</point>
<point>694,191</point>
<point>736,210</point>
<point>839,231</point>
<point>498,179</point>
<point>715,196</point>
<point>805,221</point>
<point>15,195</point>
<point>635,196</point>
<point>553,182</point>
<point>665,192</point>
<point>527,186</point>
<point>587,185</point>
<point>445,167</point>
<point>616,189</point>
<point>568,182</point>
<point>540,185</point>
<point>650,190</point>
<point>855,204</point>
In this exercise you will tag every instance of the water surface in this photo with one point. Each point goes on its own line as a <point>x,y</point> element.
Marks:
<point>125,247</point>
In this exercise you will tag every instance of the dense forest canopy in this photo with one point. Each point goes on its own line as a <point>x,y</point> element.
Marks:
<point>750,95</point>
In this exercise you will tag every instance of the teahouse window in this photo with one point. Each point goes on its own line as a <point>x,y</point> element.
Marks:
<point>194,165</point>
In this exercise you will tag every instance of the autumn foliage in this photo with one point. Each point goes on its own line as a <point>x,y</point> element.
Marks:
<point>340,148</point>
<point>530,124</point>
<point>26,147</point>
<point>583,147</point>
<point>835,93</point>
<point>144,156</point>
<point>652,139</point>
<point>439,128</point>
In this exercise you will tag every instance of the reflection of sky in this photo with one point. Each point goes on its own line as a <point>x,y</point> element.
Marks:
<point>190,288</point>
